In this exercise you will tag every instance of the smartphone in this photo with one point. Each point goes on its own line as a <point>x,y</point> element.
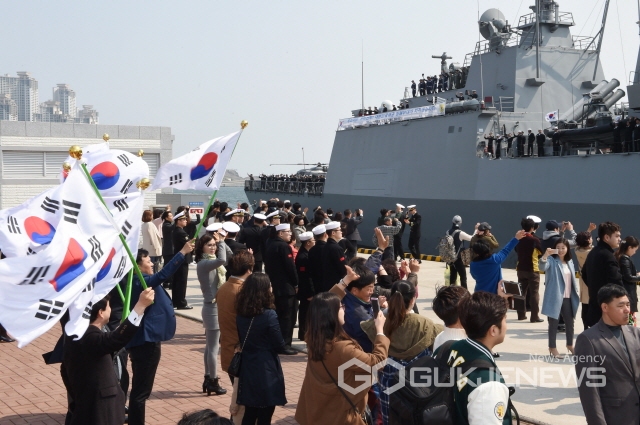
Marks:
<point>554,251</point>
<point>376,306</point>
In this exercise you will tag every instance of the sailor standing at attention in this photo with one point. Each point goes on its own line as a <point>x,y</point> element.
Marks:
<point>413,88</point>
<point>530,139</point>
<point>540,139</point>
<point>414,221</point>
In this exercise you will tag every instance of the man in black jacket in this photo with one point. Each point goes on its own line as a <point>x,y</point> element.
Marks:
<point>281,269</point>
<point>180,237</point>
<point>530,139</point>
<point>167,241</point>
<point>352,233</point>
<point>601,268</point>
<point>250,236</point>
<point>520,139</point>
<point>415,221</point>
<point>97,396</point>
<point>540,139</point>
<point>232,230</point>
<point>315,257</point>
<point>266,233</point>
<point>333,259</point>
<point>306,290</point>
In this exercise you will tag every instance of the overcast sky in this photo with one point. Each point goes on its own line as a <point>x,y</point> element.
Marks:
<point>291,68</point>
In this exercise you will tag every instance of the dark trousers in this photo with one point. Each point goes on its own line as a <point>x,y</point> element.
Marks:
<point>257,415</point>
<point>179,290</point>
<point>413,92</point>
<point>302,318</point>
<point>530,149</point>
<point>520,149</point>
<point>414,246</point>
<point>166,259</point>
<point>530,282</point>
<point>566,312</point>
<point>540,150</point>
<point>556,149</point>
<point>124,377</point>
<point>585,316</point>
<point>456,269</point>
<point>144,363</point>
<point>397,247</point>
<point>286,310</point>
<point>257,267</point>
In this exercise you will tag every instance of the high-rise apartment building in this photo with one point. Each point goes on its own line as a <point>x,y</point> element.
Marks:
<point>24,92</point>
<point>8,108</point>
<point>50,112</point>
<point>87,115</point>
<point>67,99</point>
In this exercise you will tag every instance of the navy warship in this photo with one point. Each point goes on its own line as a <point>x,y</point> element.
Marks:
<point>432,151</point>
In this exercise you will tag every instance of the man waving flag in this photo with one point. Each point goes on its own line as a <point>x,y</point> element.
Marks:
<point>201,169</point>
<point>35,291</point>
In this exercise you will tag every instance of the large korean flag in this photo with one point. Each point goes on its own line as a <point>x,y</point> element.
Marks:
<point>35,291</point>
<point>29,228</point>
<point>201,169</point>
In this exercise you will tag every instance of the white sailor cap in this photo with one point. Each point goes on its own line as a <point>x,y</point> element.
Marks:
<point>260,216</point>
<point>318,230</point>
<point>234,212</point>
<point>286,200</point>
<point>283,226</point>
<point>535,218</point>
<point>214,227</point>
<point>276,212</point>
<point>180,214</point>
<point>411,207</point>
<point>332,225</point>
<point>529,130</point>
<point>305,236</point>
<point>230,227</point>
<point>400,205</point>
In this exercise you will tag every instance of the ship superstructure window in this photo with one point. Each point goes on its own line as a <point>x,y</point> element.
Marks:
<point>451,128</point>
<point>459,129</point>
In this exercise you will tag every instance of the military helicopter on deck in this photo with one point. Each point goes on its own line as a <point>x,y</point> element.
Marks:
<point>320,169</point>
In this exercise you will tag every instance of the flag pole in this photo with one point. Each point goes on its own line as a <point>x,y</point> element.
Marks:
<point>126,305</point>
<point>243,125</point>
<point>76,153</point>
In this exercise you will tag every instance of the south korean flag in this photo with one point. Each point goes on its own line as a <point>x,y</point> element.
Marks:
<point>201,169</point>
<point>35,293</point>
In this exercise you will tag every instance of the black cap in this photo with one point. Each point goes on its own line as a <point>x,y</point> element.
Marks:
<point>552,225</point>
<point>484,226</point>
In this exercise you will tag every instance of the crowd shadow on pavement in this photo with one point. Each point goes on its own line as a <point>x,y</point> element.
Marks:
<point>33,418</point>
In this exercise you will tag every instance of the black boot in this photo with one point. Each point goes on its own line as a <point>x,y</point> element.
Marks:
<point>213,386</point>
<point>204,384</point>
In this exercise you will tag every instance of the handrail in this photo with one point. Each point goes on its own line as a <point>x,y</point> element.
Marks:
<point>285,186</point>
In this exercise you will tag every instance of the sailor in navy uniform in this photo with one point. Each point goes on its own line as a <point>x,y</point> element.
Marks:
<point>413,88</point>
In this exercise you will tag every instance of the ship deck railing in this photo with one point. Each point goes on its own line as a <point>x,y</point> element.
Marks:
<point>282,186</point>
<point>564,18</point>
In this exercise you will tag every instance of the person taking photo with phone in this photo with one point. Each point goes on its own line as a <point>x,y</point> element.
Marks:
<point>561,293</point>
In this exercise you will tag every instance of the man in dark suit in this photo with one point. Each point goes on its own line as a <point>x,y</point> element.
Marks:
<point>400,215</point>
<point>415,221</point>
<point>281,269</point>
<point>530,139</point>
<point>333,259</point>
<point>608,363</point>
<point>316,266</point>
<point>250,236</point>
<point>158,325</point>
<point>167,240</point>
<point>601,267</point>
<point>306,291</point>
<point>95,391</point>
<point>181,237</point>
<point>540,139</point>
<point>232,230</point>
<point>352,234</point>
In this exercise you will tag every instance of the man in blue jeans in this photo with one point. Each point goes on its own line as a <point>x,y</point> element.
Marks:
<point>158,324</point>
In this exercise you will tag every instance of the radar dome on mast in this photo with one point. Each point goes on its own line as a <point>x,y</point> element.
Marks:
<point>494,27</point>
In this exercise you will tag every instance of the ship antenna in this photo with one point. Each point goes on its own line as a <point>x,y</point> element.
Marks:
<point>362,76</point>
<point>480,56</point>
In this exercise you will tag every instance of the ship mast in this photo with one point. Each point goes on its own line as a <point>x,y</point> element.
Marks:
<point>599,35</point>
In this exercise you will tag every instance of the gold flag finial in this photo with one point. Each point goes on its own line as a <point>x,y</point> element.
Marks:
<point>66,166</point>
<point>244,124</point>
<point>75,152</point>
<point>105,137</point>
<point>143,183</point>
<point>140,153</point>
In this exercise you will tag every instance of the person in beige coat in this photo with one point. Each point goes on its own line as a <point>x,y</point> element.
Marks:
<point>583,247</point>
<point>151,239</point>
<point>240,267</point>
<point>321,401</point>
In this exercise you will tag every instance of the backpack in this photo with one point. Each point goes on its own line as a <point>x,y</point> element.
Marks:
<point>431,404</point>
<point>446,248</point>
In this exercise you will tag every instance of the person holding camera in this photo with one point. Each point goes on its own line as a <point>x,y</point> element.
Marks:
<point>483,233</point>
<point>561,292</point>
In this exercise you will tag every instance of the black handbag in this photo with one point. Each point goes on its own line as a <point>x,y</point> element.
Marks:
<point>236,361</point>
<point>366,415</point>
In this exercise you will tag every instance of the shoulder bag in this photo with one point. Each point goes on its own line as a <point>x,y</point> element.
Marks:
<point>236,361</point>
<point>365,416</point>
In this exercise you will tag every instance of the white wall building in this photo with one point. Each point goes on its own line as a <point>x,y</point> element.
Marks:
<point>24,92</point>
<point>32,153</point>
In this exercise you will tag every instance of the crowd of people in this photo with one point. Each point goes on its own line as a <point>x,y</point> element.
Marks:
<point>263,270</point>
<point>455,79</point>
<point>288,183</point>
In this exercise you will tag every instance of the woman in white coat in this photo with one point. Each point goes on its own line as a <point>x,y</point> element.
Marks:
<point>151,239</point>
